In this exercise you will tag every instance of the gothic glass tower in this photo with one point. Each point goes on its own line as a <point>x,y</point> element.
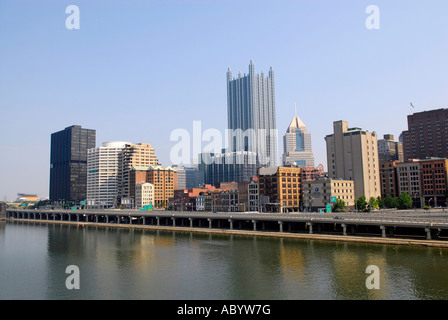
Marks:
<point>251,115</point>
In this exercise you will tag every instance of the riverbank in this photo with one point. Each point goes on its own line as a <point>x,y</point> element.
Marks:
<point>304,236</point>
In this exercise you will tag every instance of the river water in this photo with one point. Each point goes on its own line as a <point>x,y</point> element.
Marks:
<point>123,263</point>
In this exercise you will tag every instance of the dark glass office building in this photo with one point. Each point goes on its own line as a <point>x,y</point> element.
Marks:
<point>68,163</point>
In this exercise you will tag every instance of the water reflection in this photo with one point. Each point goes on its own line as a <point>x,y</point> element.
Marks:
<point>121,263</point>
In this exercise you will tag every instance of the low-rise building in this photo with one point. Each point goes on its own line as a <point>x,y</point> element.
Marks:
<point>318,194</point>
<point>213,201</point>
<point>200,202</point>
<point>229,201</point>
<point>389,179</point>
<point>144,194</point>
<point>283,186</point>
<point>434,181</point>
<point>186,199</point>
<point>164,179</point>
<point>408,174</point>
<point>249,195</point>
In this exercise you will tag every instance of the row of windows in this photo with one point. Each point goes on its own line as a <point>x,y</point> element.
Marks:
<point>290,191</point>
<point>289,174</point>
<point>291,179</point>
<point>291,197</point>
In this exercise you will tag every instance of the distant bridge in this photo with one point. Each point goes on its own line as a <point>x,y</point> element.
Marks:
<point>405,225</point>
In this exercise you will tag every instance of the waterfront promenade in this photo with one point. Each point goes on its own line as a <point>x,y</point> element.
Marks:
<point>410,227</point>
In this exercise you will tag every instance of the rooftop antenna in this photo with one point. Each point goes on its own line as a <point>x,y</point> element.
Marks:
<point>295,108</point>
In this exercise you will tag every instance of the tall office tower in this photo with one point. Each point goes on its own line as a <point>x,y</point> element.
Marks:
<point>141,154</point>
<point>427,135</point>
<point>68,163</point>
<point>103,165</point>
<point>297,145</point>
<point>389,150</point>
<point>352,154</point>
<point>251,115</point>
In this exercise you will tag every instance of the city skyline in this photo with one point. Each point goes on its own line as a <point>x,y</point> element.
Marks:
<point>158,63</point>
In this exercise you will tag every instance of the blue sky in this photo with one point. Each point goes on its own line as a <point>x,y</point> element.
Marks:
<point>137,70</point>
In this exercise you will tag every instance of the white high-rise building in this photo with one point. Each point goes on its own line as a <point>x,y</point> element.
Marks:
<point>103,164</point>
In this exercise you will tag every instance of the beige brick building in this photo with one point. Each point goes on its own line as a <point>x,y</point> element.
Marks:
<point>317,194</point>
<point>352,154</point>
<point>283,186</point>
<point>134,155</point>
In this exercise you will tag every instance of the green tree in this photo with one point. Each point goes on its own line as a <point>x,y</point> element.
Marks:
<point>390,202</point>
<point>405,201</point>
<point>361,203</point>
<point>339,206</point>
<point>373,204</point>
<point>380,202</point>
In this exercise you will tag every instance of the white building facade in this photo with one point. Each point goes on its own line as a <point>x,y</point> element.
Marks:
<point>144,194</point>
<point>103,173</point>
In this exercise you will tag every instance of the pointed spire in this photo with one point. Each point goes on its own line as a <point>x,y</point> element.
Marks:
<point>251,68</point>
<point>229,74</point>
<point>296,123</point>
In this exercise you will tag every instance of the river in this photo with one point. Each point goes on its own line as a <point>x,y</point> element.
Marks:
<point>126,263</point>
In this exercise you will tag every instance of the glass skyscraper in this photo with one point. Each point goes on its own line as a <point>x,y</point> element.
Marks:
<point>68,163</point>
<point>252,130</point>
<point>251,115</point>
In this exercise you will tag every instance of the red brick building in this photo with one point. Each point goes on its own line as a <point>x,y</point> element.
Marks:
<point>163,178</point>
<point>433,179</point>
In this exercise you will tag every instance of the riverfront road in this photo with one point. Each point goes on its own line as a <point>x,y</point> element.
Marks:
<point>428,225</point>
